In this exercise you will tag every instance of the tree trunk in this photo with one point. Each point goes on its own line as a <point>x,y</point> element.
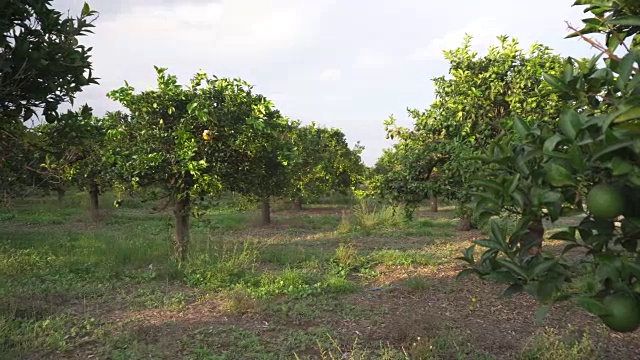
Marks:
<point>181,241</point>
<point>61,192</point>
<point>434,203</point>
<point>465,223</point>
<point>265,219</point>
<point>297,204</point>
<point>532,239</point>
<point>94,208</point>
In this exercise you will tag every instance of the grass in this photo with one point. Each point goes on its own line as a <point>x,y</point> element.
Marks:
<point>305,287</point>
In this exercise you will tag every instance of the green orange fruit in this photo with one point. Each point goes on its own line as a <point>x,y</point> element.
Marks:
<point>623,312</point>
<point>605,201</point>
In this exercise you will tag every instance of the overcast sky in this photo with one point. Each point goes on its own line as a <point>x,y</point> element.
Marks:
<point>346,64</point>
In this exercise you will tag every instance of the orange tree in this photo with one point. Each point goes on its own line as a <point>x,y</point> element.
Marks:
<point>43,66</point>
<point>592,152</point>
<point>472,106</point>
<point>190,142</point>
<point>403,174</point>
<point>322,162</point>
<point>71,151</point>
<point>261,172</point>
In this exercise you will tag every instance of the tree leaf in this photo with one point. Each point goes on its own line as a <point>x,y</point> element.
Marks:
<point>514,268</point>
<point>465,273</point>
<point>620,167</point>
<point>505,277</point>
<point>592,305</point>
<point>631,114</point>
<point>542,267</point>
<point>497,234</point>
<point>86,10</point>
<point>558,176</point>
<point>551,143</point>
<point>512,290</point>
<point>570,123</point>
<point>564,235</point>
<point>628,20</point>
<point>521,127</point>
<point>624,70</point>
<point>556,82</point>
<point>613,147</point>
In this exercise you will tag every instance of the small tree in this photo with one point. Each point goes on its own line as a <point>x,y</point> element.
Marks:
<point>190,142</point>
<point>402,175</point>
<point>42,66</point>
<point>322,162</point>
<point>472,107</point>
<point>73,152</point>
<point>264,174</point>
<point>593,150</point>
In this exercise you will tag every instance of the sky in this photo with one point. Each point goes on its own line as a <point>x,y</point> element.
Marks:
<point>345,64</point>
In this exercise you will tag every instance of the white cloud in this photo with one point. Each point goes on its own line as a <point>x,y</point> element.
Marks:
<point>371,59</point>
<point>228,33</point>
<point>484,32</point>
<point>331,75</point>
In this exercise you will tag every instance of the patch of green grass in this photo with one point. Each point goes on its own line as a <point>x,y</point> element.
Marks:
<point>404,258</point>
<point>291,255</point>
<point>127,345</point>
<point>217,265</point>
<point>155,297</point>
<point>417,283</point>
<point>449,344</point>
<point>334,350</point>
<point>292,282</point>
<point>21,336</point>
<point>80,263</point>
<point>230,342</point>
<point>549,345</point>
<point>321,222</point>
<point>239,301</point>
<point>222,222</point>
<point>367,217</point>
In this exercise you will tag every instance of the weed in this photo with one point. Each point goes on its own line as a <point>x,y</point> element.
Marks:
<point>354,351</point>
<point>450,344</point>
<point>239,301</point>
<point>221,266</point>
<point>549,345</point>
<point>288,255</point>
<point>368,216</point>
<point>403,258</point>
<point>417,283</point>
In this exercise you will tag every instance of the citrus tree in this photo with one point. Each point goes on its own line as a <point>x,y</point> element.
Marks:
<point>404,174</point>
<point>43,65</point>
<point>591,151</point>
<point>72,153</point>
<point>190,142</point>
<point>262,173</point>
<point>321,162</point>
<point>472,106</point>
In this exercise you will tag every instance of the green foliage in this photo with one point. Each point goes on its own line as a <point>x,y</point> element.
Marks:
<point>472,106</point>
<point>43,65</point>
<point>417,283</point>
<point>71,152</point>
<point>368,216</point>
<point>402,175</point>
<point>540,170</point>
<point>322,162</point>
<point>548,345</point>
<point>191,142</point>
